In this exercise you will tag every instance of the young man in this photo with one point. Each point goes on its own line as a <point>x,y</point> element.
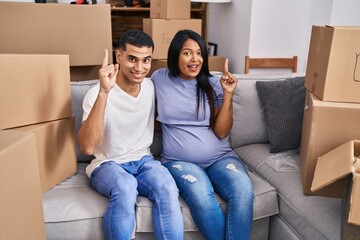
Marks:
<point>118,126</point>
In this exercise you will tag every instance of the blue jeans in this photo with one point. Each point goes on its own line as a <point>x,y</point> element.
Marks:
<point>122,183</point>
<point>227,177</point>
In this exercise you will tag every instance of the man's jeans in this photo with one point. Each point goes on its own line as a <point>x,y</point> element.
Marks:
<point>230,180</point>
<point>122,183</point>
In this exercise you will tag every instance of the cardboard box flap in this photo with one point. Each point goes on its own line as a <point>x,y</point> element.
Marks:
<point>334,165</point>
<point>341,27</point>
<point>354,213</point>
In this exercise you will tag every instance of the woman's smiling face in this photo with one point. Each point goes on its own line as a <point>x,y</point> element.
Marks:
<point>190,60</point>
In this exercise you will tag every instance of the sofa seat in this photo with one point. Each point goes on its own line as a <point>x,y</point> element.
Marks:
<point>310,217</point>
<point>73,210</point>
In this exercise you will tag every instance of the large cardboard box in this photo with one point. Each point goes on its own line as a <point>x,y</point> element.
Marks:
<point>337,164</point>
<point>33,89</point>
<point>170,9</point>
<point>333,67</point>
<point>20,199</point>
<point>81,31</point>
<point>162,31</point>
<point>326,125</point>
<point>55,143</point>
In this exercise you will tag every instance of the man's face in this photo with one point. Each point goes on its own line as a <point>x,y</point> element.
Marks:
<point>135,63</point>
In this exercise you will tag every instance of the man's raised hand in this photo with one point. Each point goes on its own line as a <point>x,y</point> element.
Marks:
<point>107,74</point>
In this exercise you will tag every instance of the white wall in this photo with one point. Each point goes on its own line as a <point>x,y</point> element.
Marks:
<point>274,28</point>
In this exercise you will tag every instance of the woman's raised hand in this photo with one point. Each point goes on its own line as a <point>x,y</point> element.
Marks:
<point>228,81</point>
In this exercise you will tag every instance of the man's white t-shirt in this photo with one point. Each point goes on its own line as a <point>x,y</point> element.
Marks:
<point>128,124</point>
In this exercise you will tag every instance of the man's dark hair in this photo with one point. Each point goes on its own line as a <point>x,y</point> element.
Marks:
<point>136,38</point>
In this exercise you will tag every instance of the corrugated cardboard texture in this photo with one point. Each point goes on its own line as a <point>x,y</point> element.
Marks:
<point>20,199</point>
<point>333,68</point>
<point>33,89</point>
<point>56,148</point>
<point>326,125</point>
<point>82,31</point>
<point>162,32</point>
<point>170,9</point>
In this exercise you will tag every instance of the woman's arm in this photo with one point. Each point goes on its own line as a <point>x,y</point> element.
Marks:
<point>224,115</point>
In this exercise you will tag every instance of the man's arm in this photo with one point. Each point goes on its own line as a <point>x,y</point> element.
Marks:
<point>91,130</point>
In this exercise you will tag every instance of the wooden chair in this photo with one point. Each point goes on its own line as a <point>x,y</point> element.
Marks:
<point>271,63</point>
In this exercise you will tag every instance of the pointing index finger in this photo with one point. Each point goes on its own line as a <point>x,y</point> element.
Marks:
<point>226,67</point>
<point>105,61</point>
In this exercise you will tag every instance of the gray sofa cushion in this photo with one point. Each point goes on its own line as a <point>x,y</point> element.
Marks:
<point>311,217</point>
<point>73,208</point>
<point>78,91</point>
<point>248,119</point>
<point>283,104</point>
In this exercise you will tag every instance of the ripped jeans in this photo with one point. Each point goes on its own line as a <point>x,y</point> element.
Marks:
<point>230,180</point>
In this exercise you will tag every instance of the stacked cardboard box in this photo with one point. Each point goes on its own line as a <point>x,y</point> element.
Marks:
<point>21,199</point>
<point>167,17</point>
<point>35,97</point>
<point>332,113</point>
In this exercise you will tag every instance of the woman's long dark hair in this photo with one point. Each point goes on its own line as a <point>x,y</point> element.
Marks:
<point>203,84</point>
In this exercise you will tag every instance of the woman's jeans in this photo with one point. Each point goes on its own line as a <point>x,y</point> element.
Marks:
<point>122,183</point>
<point>230,180</point>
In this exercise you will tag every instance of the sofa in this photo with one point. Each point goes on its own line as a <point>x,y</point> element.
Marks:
<point>72,210</point>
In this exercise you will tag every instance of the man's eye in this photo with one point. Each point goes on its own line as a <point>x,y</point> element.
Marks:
<point>148,60</point>
<point>131,59</point>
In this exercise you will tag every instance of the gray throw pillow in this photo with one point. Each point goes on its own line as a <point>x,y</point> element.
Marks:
<point>283,105</point>
<point>248,119</point>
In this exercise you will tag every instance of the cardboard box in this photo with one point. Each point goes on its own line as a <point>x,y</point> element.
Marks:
<point>20,199</point>
<point>157,64</point>
<point>55,142</point>
<point>333,67</point>
<point>337,164</point>
<point>81,31</point>
<point>216,63</point>
<point>326,125</point>
<point>170,9</point>
<point>83,73</point>
<point>162,31</point>
<point>33,89</point>
<point>349,231</point>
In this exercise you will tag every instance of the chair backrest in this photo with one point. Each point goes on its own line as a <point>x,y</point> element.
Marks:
<point>271,63</point>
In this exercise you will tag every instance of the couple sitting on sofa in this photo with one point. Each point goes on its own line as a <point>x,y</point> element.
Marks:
<point>195,112</point>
